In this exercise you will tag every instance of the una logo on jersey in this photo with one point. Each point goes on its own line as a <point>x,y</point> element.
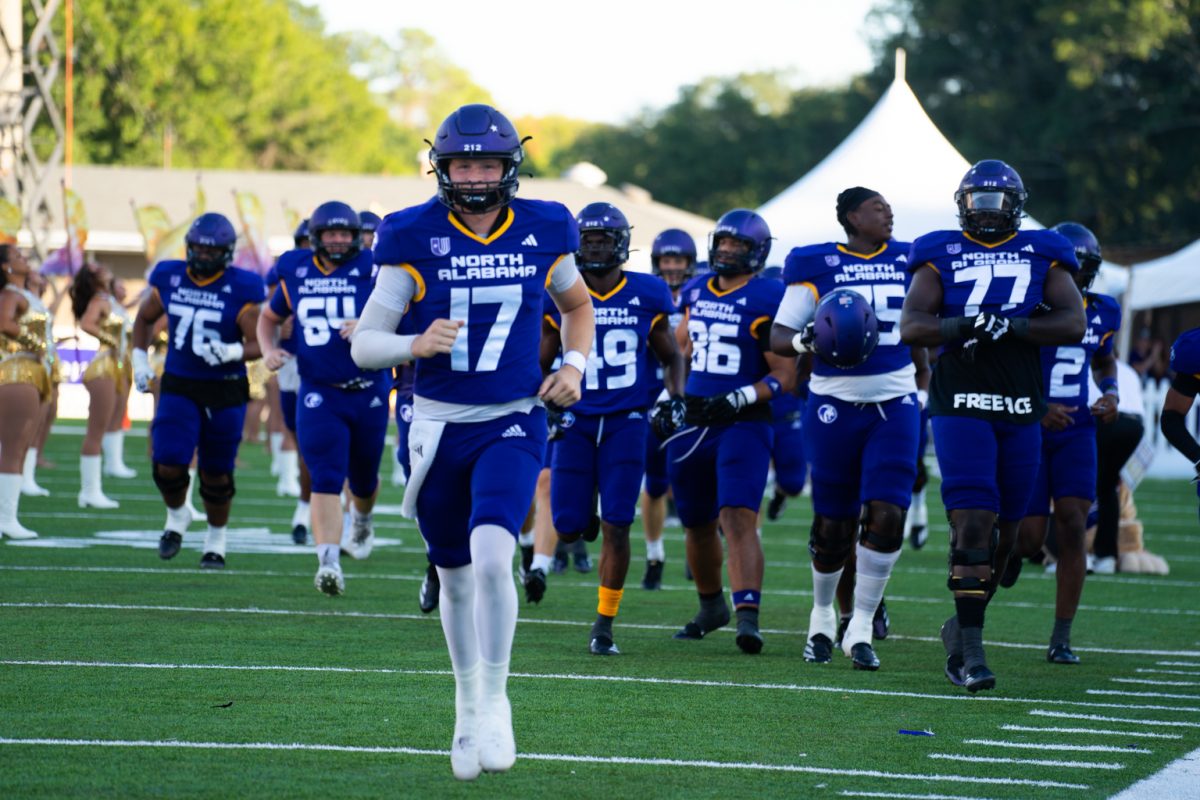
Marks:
<point>827,414</point>
<point>406,412</point>
<point>439,245</point>
<point>954,249</point>
<point>176,280</point>
<point>312,400</point>
<point>568,419</point>
<point>833,261</point>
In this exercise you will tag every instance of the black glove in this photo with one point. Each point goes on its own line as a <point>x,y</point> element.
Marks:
<point>557,421</point>
<point>808,335</point>
<point>722,408</point>
<point>991,327</point>
<point>668,417</point>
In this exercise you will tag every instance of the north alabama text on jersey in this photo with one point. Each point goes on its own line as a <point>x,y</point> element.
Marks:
<point>870,273</point>
<point>323,286</point>
<point>980,257</point>
<point>490,266</point>
<point>711,309</point>
<point>610,315</point>
<point>197,297</point>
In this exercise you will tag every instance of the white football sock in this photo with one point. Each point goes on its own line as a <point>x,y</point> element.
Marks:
<point>302,515</point>
<point>525,539</point>
<point>542,562</point>
<point>178,519</point>
<point>329,555</point>
<point>214,542</point>
<point>492,550</point>
<point>874,569</point>
<point>655,551</point>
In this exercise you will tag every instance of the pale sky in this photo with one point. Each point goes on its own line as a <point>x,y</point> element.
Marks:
<point>605,60</point>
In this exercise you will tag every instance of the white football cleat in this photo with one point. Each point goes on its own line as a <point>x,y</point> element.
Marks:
<point>464,757</point>
<point>329,580</point>
<point>497,747</point>
<point>361,539</point>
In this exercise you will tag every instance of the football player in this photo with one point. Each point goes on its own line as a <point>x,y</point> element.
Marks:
<point>603,444</point>
<point>212,308</point>
<point>471,266</point>
<point>342,413</point>
<point>370,224</point>
<point>974,292</point>
<point>718,463</point>
<point>673,260</point>
<point>787,454</point>
<point>863,414</point>
<point>1068,469</point>
<point>1185,363</point>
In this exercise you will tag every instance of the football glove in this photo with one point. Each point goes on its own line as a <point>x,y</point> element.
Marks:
<point>668,417</point>
<point>991,327</point>
<point>555,418</point>
<point>722,408</point>
<point>143,373</point>
<point>217,353</point>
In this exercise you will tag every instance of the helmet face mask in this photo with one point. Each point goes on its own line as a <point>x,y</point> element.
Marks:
<point>673,257</point>
<point>476,132</point>
<point>335,216</point>
<point>1087,252</point>
<point>739,244</point>
<point>991,199</point>
<point>604,235</point>
<point>210,244</point>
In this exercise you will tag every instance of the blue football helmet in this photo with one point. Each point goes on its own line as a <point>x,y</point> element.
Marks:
<point>674,242</point>
<point>331,216</point>
<point>476,131</point>
<point>745,226</point>
<point>773,273</point>
<point>210,230</point>
<point>300,237</point>
<point>991,199</point>
<point>845,329</point>
<point>1087,252</point>
<point>613,251</point>
<point>370,221</point>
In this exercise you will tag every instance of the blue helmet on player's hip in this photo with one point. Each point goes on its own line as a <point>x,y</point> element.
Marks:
<point>210,244</point>
<point>744,226</point>
<point>476,131</point>
<point>603,238</point>
<point>1087,251</point>
<point>845,329</point>
<point>300,236</point>
<point>991,199</point>
<point>335,216</point>
<point>370,221</point>
<point>674,242</point>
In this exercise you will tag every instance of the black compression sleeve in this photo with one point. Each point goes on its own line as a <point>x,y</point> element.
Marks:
<point>1174,428</point>
<point>955,328</point>
<point>1187,385</point>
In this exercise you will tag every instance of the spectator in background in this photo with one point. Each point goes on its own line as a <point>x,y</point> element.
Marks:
<point>1146,354</point>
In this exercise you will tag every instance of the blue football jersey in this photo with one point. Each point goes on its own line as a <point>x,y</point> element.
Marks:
<point>728,330</point>
<point>322,301</point>
<point>881,277</point>
<point>1185,354</point>
<point>494,283</point>
<point>200,311</point>
<point>654,369</point>
<point>1065,368</point>
<point>621,362</point>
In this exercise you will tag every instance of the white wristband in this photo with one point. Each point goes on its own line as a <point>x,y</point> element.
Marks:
<point>798,345</point>
<point>575,359</point>
<point>749,394</point>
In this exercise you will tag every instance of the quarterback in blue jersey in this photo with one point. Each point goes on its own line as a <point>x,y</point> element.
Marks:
<point>1185,363</point>
<point>975,292</point>
<point>719,447</point>
<point>212,308</point>
<point>1068,471</point>
<point>673,260</point>
<point>603,444</point>
<point>862,419</point>
<point>471,268</point>
<point>342,415</point>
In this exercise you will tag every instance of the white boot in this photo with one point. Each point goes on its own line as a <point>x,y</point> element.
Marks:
<point>91,494</point>
<point>276,440</point>
<point>288,484</point>
<point>113,445</point>
<point>29,484</point>
<point>10,495</point>
<point>191,507</point>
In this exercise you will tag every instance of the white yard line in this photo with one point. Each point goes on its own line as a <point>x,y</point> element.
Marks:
<point>574,759</point>
<point>787,687</point>
<point>1178,664</point>
<point>1032,762</point>
<point>1075,748</point>
<point>1091,732</point>
<point>1162,723</point>
<point>1187,673</point>
<point>899,796</point>
<point>1177,779</point>
<point>1152,682</point>
<point>1163,695</point>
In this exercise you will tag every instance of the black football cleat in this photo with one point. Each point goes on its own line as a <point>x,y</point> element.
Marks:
<point>535,585</point>
<point>1061,654</point>
<point>526,559</point>
<point>431,590</point>
<point>299,534</point>
<point>652,580</point>
<point>169,544</point>
<point>1012,571</point>
<point>749,640</point>
<point>700,626</point>
<point>954,659</point>
<point>862,655</point>
<point>212,561</point>
<point>776,506</point>
<point>583,563</point>
<point>881,623</point>
<point>979,679</point>
<point>918,536</point>
<point>818,649</point>
<point>603,645</point>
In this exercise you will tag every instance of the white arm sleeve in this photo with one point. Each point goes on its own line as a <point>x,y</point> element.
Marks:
<point>797,307</point>
<point>564,275</point>
<point>375,344</point>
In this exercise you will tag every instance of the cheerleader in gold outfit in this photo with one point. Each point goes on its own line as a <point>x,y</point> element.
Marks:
<point>35,285</point>
<point>24,383</point>
<point>107,377</point>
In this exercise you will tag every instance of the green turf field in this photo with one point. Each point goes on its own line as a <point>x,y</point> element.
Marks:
<point>125,676</point>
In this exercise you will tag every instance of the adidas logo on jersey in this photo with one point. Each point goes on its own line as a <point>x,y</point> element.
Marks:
<point>1096,320</point>
<point>376,403</point>
<point>741,301</point>
<point>354,273</point>
<point>1027,248</point>
<point>227,289</point>
<point>513,431</point>
<point>635,302</point>
<point>530,241</point>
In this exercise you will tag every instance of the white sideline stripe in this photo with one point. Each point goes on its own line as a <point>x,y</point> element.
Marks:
<point>1039,712</point>
<point>571,676</point>
<point>1032,762</point>
<point>1079,748</point>
<point>639,626</point>
<point>1164,695</point>
<point>574,759</point>
<point>1152,682</point>
<point>898,796</point>
<point>1188,673</point>
<point>1091,732</point>
<point>1177,779</point>
<point>1178,664</point>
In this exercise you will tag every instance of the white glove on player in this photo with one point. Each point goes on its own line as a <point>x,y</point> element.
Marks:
<point>217,353</point>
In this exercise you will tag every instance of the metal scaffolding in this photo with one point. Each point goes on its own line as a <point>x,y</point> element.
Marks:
<point>31,125</point>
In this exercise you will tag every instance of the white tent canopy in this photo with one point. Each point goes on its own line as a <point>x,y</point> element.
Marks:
<point>1167,281</point>
<point>897,151</point>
